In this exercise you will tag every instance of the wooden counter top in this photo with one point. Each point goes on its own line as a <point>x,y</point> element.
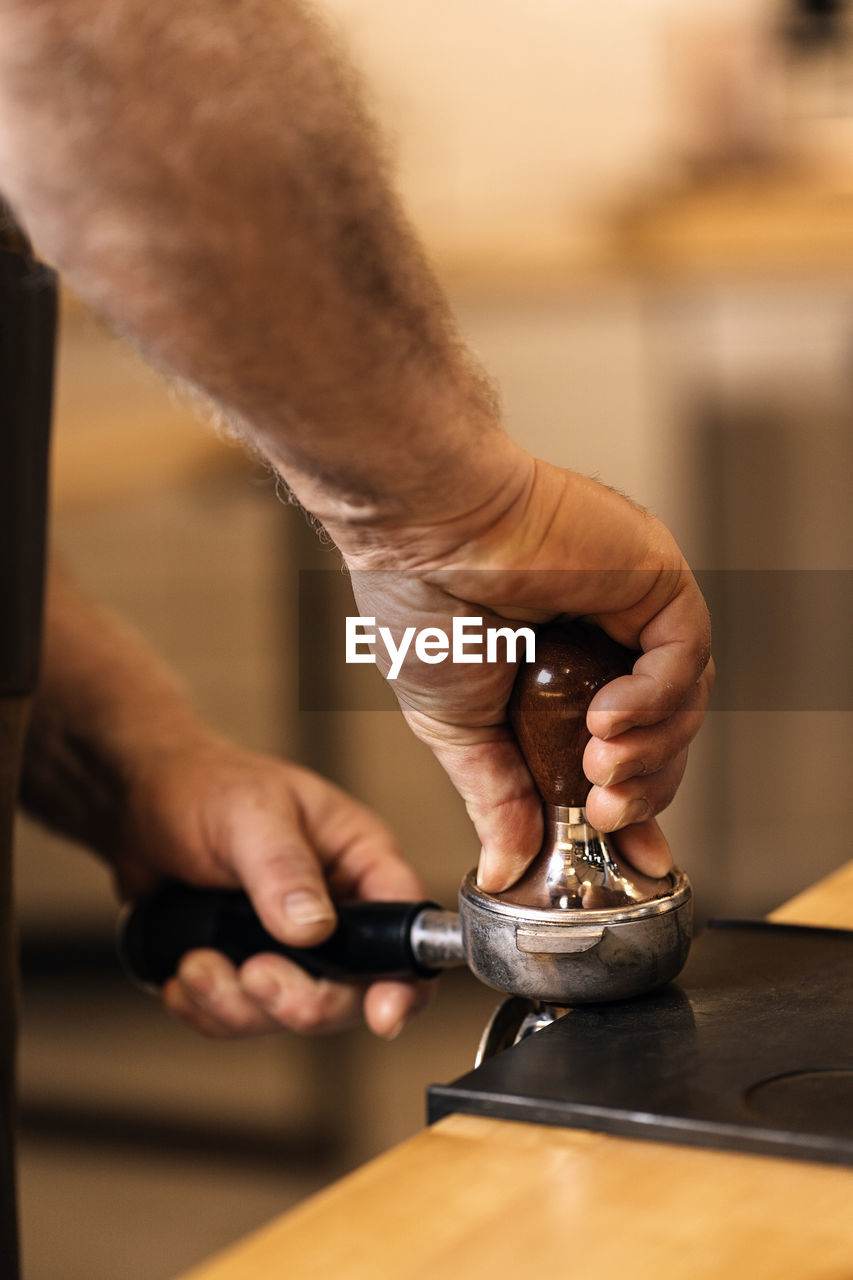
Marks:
<point>474,1198</point>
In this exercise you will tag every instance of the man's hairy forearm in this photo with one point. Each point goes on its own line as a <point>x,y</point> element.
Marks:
<point>204,173</point>
<point>105,707</point>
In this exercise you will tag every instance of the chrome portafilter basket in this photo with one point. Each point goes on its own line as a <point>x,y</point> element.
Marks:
<point>574,948</point>
<point>580,927</point>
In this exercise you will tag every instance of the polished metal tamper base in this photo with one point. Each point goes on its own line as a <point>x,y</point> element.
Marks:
<point>578,870</point>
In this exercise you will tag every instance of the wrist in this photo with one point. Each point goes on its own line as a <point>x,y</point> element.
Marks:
<point>460,494</point>
<point>80,777</point>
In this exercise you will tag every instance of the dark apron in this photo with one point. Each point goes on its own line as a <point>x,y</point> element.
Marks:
<point>27,327</point>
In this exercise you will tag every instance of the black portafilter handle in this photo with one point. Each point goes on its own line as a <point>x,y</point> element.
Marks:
<point>371,940</point>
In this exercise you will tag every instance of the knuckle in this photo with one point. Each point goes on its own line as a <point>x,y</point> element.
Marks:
<point>311,1010</point>
<point>206,1027</point>
<point>302,1018</point>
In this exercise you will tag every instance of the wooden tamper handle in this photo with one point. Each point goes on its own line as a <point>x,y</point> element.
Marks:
<point>550,700</point>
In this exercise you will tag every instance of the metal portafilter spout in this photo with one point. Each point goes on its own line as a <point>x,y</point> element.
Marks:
<point>581,925</point>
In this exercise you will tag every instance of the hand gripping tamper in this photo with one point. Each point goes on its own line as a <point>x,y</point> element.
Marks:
<point>580,927</point>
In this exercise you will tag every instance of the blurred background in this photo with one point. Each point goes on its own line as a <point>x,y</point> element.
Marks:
<point>644,217</point>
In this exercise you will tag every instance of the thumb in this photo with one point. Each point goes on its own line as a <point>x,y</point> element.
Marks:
<point>283,877</point>
<point>502,802</point>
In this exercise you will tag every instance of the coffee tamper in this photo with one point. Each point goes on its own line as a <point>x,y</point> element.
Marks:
<point>580,927</point>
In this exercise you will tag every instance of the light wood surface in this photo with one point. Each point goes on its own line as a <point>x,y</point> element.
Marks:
<point>472,1197</point>
<point>794,219</point>
<point>829,903</point>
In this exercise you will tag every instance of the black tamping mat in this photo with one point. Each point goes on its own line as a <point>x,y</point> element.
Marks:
<point>751,1050</point>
